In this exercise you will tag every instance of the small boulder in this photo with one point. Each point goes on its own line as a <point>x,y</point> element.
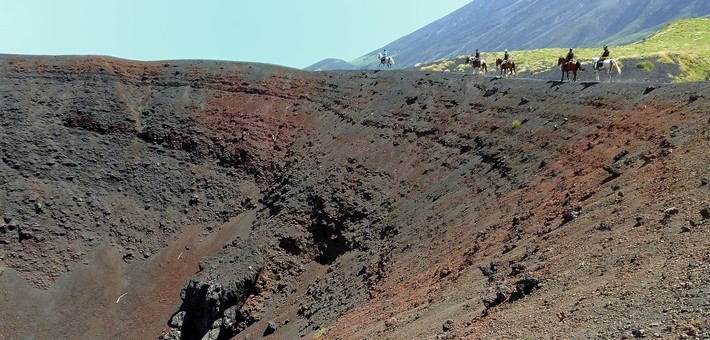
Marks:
<point>177,320</point>
<point>525,287</point>
<point>500,297</point>
<point>639,333</point>
<point>705,213</point>
<point>620,155</point>
<point>271,327</point>
<point>490,270</point>
<point>517,268</point>
<point>613,169</point>
<point>448,325</point>
<point>671,211</point>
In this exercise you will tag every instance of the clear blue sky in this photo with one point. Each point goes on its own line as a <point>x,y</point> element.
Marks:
<point>294,33</point>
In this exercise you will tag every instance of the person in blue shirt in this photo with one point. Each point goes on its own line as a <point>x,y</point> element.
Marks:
<point>384,53</point>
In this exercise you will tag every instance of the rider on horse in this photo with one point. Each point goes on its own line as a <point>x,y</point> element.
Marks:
<point>384,56</point>
<point>476,57</point>
<point>570,56</point>
<point>506,57</point>
<point>605,56</point>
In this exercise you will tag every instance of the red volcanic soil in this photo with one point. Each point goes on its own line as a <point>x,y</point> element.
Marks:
<point>222,200</point>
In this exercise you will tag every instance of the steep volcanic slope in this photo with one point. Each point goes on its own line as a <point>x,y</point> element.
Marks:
<point>350,204</point>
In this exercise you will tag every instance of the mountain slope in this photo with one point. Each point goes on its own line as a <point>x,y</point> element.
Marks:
<point>330,65</point>
<point>680,51</point>
<point>525,24</point>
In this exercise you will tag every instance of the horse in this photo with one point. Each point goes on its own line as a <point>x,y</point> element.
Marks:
<point>567,67</point>
<point>510,65</point>
<point>477,64</point>
<point>386,61</point>
<point>607,65</point>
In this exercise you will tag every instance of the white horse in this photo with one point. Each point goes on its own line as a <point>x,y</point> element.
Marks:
<point>607,65</point>
<point>479,67</point>
<point>386,61</point>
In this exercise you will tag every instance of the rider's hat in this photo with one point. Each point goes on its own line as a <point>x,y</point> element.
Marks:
<point>604,46</point>
<point>506,50</point>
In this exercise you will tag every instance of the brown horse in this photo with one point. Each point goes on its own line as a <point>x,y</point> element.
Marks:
<point>477,64</point>
<point>510,65</point>
<point>567,67</point>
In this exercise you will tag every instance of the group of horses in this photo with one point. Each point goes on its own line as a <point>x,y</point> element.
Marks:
<point>573,66</point>
<point>479,67</point>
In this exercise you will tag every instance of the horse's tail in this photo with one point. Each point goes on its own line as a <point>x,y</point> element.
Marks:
<point>579,66</point>
<point>617,64</point>
<point>392,61</point>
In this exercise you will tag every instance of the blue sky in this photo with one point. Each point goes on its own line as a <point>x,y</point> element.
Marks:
<point>294,33</point>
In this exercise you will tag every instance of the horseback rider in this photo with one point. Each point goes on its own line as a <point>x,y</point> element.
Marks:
<point>384,55</point>
<point>476,57</point>
<point>605,56</point>
<point>506,57</point>
<point>570,56</point>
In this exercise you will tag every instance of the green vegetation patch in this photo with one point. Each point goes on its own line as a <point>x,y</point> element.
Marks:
<point>685,43</point>
<point>322,331</point>
<point>646,65</point>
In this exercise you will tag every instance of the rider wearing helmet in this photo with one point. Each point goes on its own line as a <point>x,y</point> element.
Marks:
<point>570,56</point>
<point>476,57</point>
<point>384,53</point>
<point>506,56</point>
